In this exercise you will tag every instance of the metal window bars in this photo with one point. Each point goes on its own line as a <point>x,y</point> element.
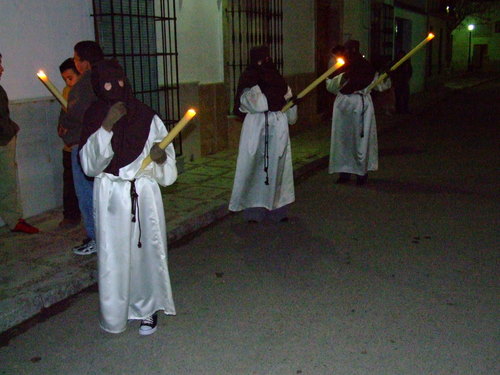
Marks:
<point>251,23</point>
<point>142,36</point>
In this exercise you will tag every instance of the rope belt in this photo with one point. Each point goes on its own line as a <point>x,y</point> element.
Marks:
<point>266,148</point>
<point>362,116</point>
<point>135,208</point>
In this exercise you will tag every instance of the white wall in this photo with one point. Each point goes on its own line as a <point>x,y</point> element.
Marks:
<point>418,33</point>
<point>357,23</point>
<point>39,35</point>
<point>35,35</point>
<point>298,36</point>
<point>200,41</point>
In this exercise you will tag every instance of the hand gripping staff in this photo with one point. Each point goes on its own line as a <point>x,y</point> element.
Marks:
<point>315,83</point>
<point>403,59</point>
<point>170,136</point>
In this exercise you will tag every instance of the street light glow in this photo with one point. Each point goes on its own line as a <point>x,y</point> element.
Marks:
<point>470,27</point>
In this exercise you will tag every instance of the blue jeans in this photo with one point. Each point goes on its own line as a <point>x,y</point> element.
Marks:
<point>85,192</point>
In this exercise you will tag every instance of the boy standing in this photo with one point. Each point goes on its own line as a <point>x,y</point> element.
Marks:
<point>10,207</point>
<point>71,211</point>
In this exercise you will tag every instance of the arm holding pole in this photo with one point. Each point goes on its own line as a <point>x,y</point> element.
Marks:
<point>170,136</point>
<point>403,59</point>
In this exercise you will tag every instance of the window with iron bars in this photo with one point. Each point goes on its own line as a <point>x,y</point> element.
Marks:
<point>142,36</point>
<point>250,23</point>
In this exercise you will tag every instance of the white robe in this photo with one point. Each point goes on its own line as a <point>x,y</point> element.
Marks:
<point>133,282</point>
<point>249,188</point>
<point>353,147</point>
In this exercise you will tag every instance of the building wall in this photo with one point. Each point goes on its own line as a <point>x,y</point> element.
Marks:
<point>298,36</point>
<point>200,41</point>
<point>419,31</point>
<point>483,34</point>
<point>39,35</point>
<point>357,24</point>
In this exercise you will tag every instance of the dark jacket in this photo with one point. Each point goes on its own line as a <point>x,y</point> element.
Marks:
<point>8,128</point>
<point>80,98</point>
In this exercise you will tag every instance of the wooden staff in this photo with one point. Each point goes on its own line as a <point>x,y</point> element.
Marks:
<point>315,83</point>
<point>53,90</point>
<point>403,59</point>
<point>170,136</point>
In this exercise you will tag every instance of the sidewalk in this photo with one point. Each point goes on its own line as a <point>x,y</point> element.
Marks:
<point>40,270</point>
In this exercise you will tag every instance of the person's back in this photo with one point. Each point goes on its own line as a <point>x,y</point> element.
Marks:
<point>263,183</point>
<point>353,147</point>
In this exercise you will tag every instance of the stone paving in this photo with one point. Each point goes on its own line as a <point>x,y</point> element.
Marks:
<point>39,270</point>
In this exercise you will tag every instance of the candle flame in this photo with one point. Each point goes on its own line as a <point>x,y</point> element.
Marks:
<point>41,74</point>
<point>340,61</point>
<point>191,112</point>
<point>430,36</point>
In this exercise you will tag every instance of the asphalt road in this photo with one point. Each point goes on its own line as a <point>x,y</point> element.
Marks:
<point>400,276</point>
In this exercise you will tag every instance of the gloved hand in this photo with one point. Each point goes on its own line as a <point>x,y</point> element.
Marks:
<point>158,155</point>
<point>116,112</point>
<point>296,100</point>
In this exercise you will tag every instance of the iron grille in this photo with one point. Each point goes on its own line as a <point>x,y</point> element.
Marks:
<point>382,42</point>
<point>251,23</point>
<point>142,36</point>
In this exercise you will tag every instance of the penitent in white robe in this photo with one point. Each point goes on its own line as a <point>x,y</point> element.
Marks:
<point>353,147</point>
<point>249,188</point>
<point>133,282</point>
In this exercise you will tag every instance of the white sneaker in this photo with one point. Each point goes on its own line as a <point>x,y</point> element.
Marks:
<point>149,325</point>
<point>87,247</point>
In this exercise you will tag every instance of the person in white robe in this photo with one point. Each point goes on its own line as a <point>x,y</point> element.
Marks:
<point>353,147</point>
<point>119,132</point>
<point>263,184</point>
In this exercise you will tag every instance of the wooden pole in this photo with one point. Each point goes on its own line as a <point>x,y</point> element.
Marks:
<point>170,136</point>
<point>53,90</point>
<point>315,83</point>
<point>401,61</point>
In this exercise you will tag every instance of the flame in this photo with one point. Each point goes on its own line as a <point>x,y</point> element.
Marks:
<point>340,61</point>
<point>430,36</point>
<point>191,112</point>
<point>41,74</point>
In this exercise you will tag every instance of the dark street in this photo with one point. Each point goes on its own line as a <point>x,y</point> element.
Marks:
<point>397,277</point>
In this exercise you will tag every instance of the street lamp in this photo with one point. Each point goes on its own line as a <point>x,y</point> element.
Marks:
<point>470,28</point>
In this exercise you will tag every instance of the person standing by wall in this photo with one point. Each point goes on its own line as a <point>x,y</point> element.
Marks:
<point>401,81</point>
<point>86,54</point>
<point>71,211</point>
<point>10,205</point>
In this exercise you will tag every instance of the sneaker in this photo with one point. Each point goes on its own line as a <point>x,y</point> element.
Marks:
<point>149,325</point>
<point>87,247</point>
<point>24,227</point>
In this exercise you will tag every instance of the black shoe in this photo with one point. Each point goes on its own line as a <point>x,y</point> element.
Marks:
<point>343,178</point>
<point>361,180</point>
<point>149,325</point>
